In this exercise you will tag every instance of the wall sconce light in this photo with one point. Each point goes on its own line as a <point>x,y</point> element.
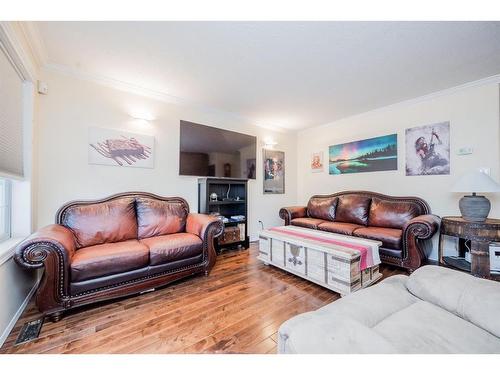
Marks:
<point>269,143</point>
<point>144,117</point>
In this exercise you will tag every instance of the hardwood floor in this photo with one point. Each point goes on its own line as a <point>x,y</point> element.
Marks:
<point>237,309</point>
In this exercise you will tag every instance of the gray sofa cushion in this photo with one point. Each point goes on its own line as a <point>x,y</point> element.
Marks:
<point>309,334</point>
<point>387,318</point>
<point>426,328</point>
<point>372,305</point>
<point>470,298</point>
<point>345,326</point>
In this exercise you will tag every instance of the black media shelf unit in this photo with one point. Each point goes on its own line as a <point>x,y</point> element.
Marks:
<point>232,200</point>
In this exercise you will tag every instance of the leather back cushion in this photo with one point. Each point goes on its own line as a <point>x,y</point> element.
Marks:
<point>322,207</point>
<point>99,223</point>
<point>392,214</point>
<point>353,208</point>
<point>158,218</point>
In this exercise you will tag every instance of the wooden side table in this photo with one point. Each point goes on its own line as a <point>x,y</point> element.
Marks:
<point>480,236</point>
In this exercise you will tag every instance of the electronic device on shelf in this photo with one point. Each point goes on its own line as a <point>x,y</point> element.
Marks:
<point>495,256</point>
<point>231,207</point>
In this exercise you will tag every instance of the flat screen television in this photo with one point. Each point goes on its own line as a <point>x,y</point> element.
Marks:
<point>209,151</point>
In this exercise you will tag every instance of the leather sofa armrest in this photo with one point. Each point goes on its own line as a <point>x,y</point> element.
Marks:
<point>423,227</point>
<point>203,225</point>
<point>416,240</point>
<point>208,228</point>
<point>53,241</point>
<point>292,212</point>
<point>52,248</point>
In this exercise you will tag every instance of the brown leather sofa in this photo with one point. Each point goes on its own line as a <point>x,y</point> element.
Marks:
<point>404,225</point>
<point>117,246</point>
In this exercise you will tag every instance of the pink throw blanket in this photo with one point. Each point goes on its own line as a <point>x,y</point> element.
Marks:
<point>365,251</point>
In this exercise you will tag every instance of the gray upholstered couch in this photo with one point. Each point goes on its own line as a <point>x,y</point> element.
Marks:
<point>435,310</point>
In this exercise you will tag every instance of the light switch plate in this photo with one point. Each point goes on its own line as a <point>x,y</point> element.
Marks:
<point>465,151</point>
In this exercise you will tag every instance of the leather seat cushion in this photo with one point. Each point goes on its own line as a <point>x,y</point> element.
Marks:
<point>307,222</point>
<point>390,237</point>
<point>172,247</point>
<point>322,207</point>
<point>353,208</point>
<point>105,281</point>
<point>156,217</point>
<point>392,214</point>
<point>107,259</point>
<point>94,224</point>
<point>339,227</point>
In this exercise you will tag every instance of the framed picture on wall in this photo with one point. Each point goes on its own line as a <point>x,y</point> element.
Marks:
<point>120,149</point>
<point>317,161</point>
<point>367,155</point>
<point>274,171</point>
<point>428,150</point>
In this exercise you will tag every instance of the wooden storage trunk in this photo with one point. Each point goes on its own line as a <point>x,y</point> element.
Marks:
<point>230,235</point>
<point>326,265</point>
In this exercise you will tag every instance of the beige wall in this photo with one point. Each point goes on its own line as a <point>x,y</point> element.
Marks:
<point>474,121</point>
<point>73,105</point>
<point>16,287</point>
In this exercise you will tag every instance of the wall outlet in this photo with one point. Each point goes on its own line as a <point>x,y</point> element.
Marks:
<point>485,170</point>
<point>465,150</point>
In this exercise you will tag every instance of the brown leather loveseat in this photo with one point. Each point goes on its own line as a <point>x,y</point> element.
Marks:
<point>404,225</point>
<point>120,245</point>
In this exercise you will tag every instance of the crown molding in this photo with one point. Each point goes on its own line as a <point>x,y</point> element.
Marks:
<point>495,79</point>
<point>14,43</point>
<point>35,42</point>
<point>114,83</point>
<point>35,57</point>
<point>152,94</point>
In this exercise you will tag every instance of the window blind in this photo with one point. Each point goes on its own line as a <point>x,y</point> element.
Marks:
<point>11,115</point>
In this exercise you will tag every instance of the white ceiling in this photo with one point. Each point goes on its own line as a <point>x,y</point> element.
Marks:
<point>286,74</point>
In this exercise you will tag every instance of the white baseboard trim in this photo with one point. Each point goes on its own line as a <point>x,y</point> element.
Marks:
<point>18,313</point>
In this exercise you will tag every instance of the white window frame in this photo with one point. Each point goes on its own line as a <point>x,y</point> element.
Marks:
<point>21,204</point>
<point>7,204</point>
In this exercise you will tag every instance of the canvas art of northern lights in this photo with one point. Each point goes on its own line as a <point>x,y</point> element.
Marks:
<point>367,155</point>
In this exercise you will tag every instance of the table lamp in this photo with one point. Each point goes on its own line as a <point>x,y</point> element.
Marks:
<point>475,207</point>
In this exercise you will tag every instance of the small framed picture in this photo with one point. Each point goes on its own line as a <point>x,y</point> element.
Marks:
<point>317,162</point>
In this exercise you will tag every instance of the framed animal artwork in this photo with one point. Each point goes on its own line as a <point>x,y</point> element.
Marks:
<point>120,149</point>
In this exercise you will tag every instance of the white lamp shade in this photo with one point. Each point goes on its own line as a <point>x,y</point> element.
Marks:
<point>475,182</point>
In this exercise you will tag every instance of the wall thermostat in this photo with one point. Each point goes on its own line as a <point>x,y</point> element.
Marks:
<point>42,87</point>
